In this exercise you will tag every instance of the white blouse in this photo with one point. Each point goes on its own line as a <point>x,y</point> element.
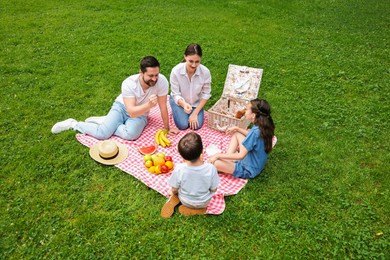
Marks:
<point>192,91</point>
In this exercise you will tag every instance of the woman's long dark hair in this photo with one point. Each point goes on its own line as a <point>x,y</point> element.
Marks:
<point>263,120</point>
<point>193,49</point>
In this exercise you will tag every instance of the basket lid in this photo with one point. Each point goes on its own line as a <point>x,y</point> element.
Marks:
<point>242,82</point>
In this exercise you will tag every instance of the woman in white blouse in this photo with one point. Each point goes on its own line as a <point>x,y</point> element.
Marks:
<point>190,89</point>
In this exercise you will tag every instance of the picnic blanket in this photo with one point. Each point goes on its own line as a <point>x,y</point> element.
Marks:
<point>134,164</point>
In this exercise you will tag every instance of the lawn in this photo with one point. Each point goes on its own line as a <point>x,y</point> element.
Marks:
<point>325,191</point>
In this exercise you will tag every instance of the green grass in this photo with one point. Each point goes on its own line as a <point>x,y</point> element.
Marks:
<point>324,192</point>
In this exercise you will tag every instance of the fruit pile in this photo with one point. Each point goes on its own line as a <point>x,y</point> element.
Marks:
<point>161,138</point>
<point>158,163</point>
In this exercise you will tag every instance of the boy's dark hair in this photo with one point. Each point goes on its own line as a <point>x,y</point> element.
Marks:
<point>190,146</point>
<point>148,62</point>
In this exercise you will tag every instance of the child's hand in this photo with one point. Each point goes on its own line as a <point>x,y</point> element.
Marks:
<point>172,191</point>
<point>231,130</point>
<point>213,158</point>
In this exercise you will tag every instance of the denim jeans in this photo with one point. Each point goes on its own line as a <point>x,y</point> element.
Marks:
<point>181,118</point>
<point>117,122</point>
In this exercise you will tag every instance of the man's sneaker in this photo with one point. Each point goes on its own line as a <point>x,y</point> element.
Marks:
<point>95,119</point>
<point>186,211</point>
<point>169,207</point>
<point>64,125</point>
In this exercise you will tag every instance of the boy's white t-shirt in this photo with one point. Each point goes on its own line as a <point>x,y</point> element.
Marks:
<point>194,183</point>
<point>131,87</point>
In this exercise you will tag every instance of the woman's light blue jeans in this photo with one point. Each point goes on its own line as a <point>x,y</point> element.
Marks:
<point>181,118</point>
<point>117,122</point>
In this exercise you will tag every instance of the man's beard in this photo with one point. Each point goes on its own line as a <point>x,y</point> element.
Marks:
<point>150,83</point>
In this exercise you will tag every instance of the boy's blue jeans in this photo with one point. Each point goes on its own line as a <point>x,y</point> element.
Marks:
<point>181,118</point>
<point>117,122</point>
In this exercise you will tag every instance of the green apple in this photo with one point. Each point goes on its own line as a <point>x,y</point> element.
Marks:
<point>147,157</point>
<point>148,163</point>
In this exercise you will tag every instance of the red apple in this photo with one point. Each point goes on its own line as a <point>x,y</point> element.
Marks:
<point>168,158</point>
<point>164,168</point>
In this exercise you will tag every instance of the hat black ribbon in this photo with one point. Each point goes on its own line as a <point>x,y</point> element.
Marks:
<point>109,158</point>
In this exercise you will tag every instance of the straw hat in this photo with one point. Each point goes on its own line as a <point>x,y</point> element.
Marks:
<point>108,152</point>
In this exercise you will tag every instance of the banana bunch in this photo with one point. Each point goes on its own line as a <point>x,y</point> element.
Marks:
<point>161,138</point>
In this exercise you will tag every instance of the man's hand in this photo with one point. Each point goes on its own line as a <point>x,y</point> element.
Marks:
<point>173,131</point>
<point>153,100</point>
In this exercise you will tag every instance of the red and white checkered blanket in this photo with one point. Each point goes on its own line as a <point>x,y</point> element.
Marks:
<point>134,164</point>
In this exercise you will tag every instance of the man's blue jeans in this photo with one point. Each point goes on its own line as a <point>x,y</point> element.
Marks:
<point>117,122</point>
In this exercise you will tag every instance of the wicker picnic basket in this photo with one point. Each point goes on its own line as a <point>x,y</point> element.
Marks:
<point>242,84</point>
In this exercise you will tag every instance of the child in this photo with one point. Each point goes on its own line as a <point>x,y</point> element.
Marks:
<point>248,149</point>
<point>193,182</point>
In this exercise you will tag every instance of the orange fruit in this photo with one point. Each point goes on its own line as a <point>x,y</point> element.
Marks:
<point>158,161</point>
<point>169,164</point>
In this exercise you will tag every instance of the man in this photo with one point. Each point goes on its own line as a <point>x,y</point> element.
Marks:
<point>129,113</point>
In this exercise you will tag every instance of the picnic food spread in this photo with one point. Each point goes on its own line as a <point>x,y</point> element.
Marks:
<point>158,163</point>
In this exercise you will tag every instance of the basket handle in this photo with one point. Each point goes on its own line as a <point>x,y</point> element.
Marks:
<point>220,128</point>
